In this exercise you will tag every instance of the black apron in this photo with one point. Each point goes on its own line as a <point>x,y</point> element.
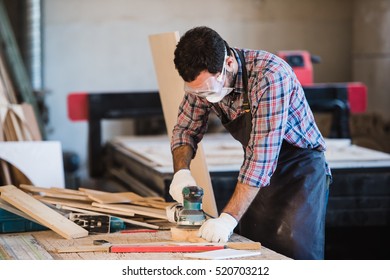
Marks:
<point>288,216</point>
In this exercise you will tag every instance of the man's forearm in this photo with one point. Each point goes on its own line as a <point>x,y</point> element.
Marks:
<point>240,201</point>
<point>182,157</point>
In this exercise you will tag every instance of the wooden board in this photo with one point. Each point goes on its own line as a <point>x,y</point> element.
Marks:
<point>54,193</point>
<point>139,210</point>
<point>42,213</point>
<point>171,93</point>
<point>85,206</point>
<point>106,197</point>
<point>36,189</point>
<point>8,207</point>
<point>126,197</point>
<point>31,122</point>
<point>154,203</point>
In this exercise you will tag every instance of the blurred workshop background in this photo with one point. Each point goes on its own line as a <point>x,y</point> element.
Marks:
<point>100,46</point>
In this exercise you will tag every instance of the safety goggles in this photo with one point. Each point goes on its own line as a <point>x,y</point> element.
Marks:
<point>212,85</point>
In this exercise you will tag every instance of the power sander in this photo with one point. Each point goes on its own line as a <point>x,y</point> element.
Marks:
<point>190,214</point>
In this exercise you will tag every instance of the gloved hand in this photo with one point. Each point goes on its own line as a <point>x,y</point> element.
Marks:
<point>181,179</point>
<point>219,229</point>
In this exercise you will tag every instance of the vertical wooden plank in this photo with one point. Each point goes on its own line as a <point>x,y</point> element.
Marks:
<point>9,95</point>
<point>5,172</point>
<point>171,93</point>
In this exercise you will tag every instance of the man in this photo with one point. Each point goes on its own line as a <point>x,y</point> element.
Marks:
<point>282,187</point>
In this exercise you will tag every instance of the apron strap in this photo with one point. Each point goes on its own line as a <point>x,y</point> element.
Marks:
<point>245,105</point>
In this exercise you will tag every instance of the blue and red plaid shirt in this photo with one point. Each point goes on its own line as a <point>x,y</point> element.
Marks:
<point>279,112</point>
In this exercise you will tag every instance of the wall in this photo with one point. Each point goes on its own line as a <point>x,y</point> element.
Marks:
<point>371,52</point>
<point>98,45</point>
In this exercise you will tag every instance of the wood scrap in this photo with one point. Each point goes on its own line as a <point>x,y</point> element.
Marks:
<point>144,211</point>
<point>41,212</point>
<point>8,207</point>
<point>106,197</point>
<point>55,193</point>
<point>153,203</point>
<point>15,125</point>
<point>125,197</point>
<point>85,206</point>
<point>65,196</point>
<point>30,122</point>
<point>67,191</point>
<point>141,211</point>
<point>37,189</point>
<point>5,172</point>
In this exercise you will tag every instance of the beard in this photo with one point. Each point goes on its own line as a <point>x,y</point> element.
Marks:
<point>230,78</point>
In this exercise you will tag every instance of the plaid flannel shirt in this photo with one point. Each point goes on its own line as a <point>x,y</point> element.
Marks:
<point>279,112</point>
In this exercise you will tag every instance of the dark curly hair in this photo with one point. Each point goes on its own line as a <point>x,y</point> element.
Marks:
<point>199,49</point>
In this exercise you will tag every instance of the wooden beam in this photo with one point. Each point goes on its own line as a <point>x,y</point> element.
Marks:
<point>171,93</point>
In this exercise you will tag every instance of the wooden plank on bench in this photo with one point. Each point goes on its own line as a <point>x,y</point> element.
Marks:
<point>42,213</point>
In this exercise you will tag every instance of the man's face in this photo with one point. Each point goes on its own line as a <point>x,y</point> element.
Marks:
<point>209,86</point>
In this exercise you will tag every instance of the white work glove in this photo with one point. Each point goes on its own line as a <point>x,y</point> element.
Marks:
<point>219,229</point>
<point>181,179</point>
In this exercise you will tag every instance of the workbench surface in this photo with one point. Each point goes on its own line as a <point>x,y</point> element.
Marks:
<point>43,244</point>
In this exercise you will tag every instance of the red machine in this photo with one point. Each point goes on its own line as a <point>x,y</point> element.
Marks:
<point>302,63</point>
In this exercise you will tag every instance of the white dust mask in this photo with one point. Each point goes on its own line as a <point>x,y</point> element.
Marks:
<point>215,97</point>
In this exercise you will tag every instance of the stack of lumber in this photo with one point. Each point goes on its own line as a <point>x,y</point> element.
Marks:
<point>17,123</point>
<point>15,199</point>
<point>19,113</point>
<point>132,209</point>
<point>18,119</point>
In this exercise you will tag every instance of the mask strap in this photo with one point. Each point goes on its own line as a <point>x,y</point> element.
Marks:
<point>219,79</point>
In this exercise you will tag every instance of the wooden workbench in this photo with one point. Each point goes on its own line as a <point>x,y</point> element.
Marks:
<point>43,244</point>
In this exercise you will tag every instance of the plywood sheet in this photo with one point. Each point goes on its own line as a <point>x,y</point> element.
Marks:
<point>40,161</point>
<point>171,93</point>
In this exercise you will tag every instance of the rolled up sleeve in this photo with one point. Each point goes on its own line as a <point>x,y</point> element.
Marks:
<point>191,122</point>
